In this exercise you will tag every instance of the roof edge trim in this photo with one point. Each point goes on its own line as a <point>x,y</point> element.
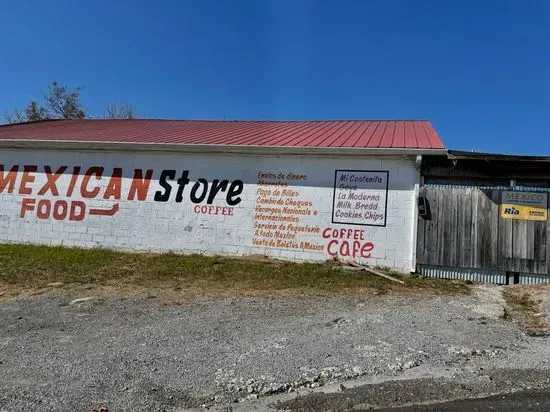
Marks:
<point>210,148</point>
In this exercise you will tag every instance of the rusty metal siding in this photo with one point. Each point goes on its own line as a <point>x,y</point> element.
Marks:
<point>474,275</point>
<point>491,187</point>
<point>533,279</point>
<point>481,276</point>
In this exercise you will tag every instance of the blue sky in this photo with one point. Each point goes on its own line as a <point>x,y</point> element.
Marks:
<point>479,70</point>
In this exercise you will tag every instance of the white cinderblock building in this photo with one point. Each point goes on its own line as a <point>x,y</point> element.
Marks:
<point>292,190</point>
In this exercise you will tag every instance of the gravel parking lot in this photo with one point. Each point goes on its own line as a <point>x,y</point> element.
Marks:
<point>131,353</point>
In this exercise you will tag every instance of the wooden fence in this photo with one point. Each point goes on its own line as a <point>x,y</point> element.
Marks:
<point>463,229</point>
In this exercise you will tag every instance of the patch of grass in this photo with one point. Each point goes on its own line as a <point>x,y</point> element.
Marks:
<point>523,309</point>
<point>523,301</point>
<point>28,266</point>
<point>519,300</point>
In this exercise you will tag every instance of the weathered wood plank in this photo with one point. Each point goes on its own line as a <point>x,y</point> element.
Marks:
<point>480,223</point>
<point>494,200</point>
<point>445,246</point>
<point>454,245</point>
<point>539,247</point>
<point>441,212</point>
<point>540,242</point>
<point>547,244</point>
<point>530,240</point>
<point>474,229</point>
<point>506,241</point>
<point>506,234</point>
<point>487,230</point>
<point>421,235</point>
<point>520,239</point>
<point>464,227</point>
<point>431,235</point>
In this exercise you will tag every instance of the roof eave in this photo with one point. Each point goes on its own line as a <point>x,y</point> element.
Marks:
<point>462,155</point>
<point>211,148</point>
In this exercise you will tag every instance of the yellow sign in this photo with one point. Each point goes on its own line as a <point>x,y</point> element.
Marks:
<point>524,205</point>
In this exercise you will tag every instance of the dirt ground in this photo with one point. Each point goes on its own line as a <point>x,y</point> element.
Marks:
<point>155,351</point>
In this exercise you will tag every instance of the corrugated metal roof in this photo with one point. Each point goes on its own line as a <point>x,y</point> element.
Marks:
<point>391,134</point>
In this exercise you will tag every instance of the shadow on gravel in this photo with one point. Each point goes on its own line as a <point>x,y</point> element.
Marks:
<point>402,395</point>
<point>532,400</point>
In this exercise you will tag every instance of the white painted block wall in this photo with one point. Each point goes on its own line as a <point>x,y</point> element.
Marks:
<point>149,225</point>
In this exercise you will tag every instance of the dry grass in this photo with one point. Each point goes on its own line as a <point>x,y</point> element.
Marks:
<point>26,267</point>
<point>525,310</point>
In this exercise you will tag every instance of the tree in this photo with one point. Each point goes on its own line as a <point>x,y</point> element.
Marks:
<point>59,103</point>
<point>34,112</point>
<point>119,111</point>
<point>62,103</point>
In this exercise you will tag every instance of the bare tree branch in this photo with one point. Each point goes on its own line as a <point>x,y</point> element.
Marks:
<point>17,116</point>
<point>119,111</point>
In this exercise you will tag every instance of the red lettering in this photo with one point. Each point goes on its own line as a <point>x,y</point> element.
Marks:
<point>213,210</point>
<point>74,177</point>
<point>115,185</point>
<point>43,209</point>
<point>27,204</point>
<point>78,211</point>
<point>356,247</point>
<point>27,178</point>
<point>140,186</point>
<point>366,249</point>
<point>344,249</point>
<point>60,210</point>
<point>9,179</point>
<point>52,178</point>
<point>331,243</point>
<point>90,194</point>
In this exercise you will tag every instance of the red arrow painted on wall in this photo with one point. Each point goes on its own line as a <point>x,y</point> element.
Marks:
<point>105,212</point>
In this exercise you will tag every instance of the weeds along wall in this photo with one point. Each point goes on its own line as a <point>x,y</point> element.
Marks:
<point>290,207</point>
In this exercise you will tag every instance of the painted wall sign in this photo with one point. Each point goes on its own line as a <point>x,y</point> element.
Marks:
<point>298,207</point>
<point>86,183</point>
<point>524,206</point>
<point>360,197</point>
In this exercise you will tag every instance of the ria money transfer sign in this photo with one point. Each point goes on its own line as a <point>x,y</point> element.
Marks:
<point>524,206</point>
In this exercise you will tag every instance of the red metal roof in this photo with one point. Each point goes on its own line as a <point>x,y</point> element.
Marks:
<point>392,134</point>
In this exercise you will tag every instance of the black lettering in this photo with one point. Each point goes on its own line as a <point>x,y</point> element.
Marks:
<point>166,174</point>
<point>216,187</point>
<point>196,187</point>
<point>235,189</point>
<point>182,182</point>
